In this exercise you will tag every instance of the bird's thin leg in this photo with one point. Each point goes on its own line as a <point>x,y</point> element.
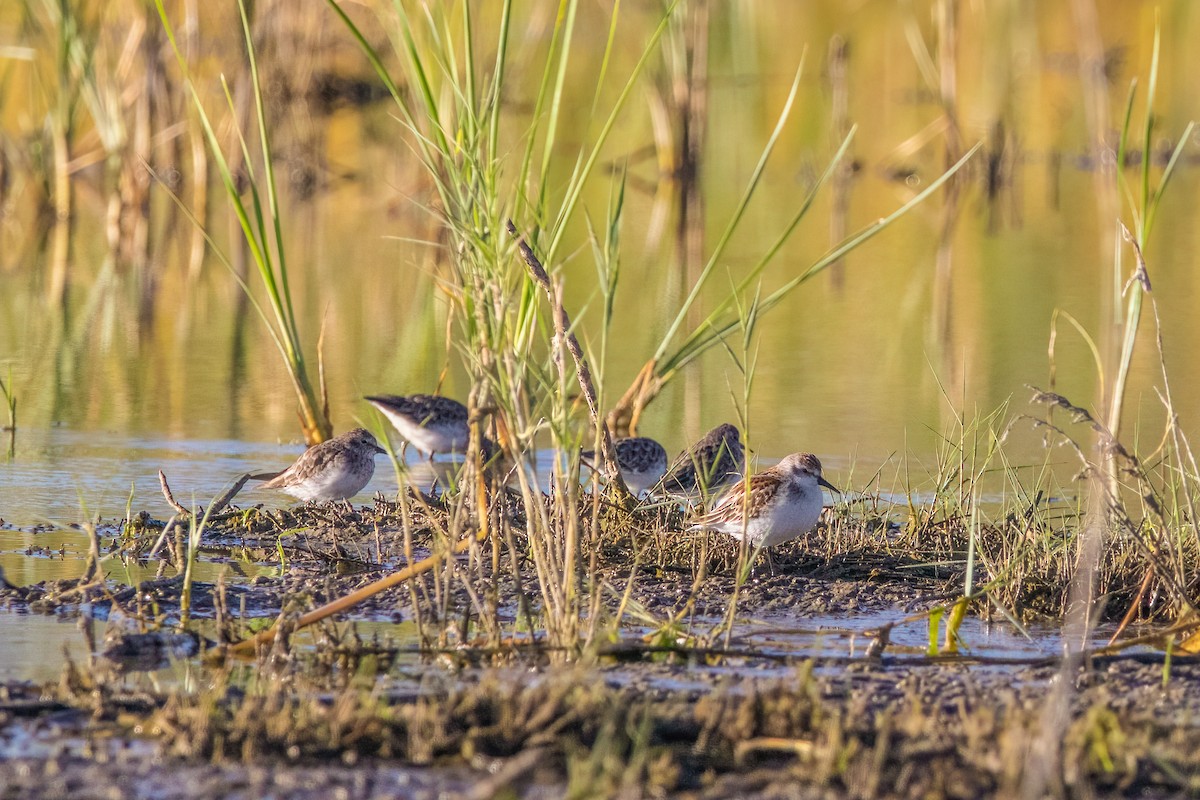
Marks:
<point>761,552</point>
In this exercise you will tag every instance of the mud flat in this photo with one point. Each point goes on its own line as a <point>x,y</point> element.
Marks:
<point>827,685</point>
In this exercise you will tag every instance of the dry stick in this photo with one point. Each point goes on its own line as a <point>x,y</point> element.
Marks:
<point>248,647</point>
<point>1134,606</point>
<point>562,326</point>
<point>166,490</point>
<point>218,505</point>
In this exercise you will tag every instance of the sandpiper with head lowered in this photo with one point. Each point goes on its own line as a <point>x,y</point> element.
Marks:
<point>642,461</point>
<point>429,422</point>
<point>336,469</point>
<point>782,502</point>
<point>712,463</point>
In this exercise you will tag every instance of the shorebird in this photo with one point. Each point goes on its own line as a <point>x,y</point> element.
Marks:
<point>336,469</point>
<point>715,461</point>
<point>782,503</point>
<point>429,422</point>
<point>642,461</point>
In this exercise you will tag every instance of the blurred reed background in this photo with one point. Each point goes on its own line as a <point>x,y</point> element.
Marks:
<point>113,317</point>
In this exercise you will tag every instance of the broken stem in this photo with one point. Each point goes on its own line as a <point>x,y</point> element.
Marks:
<point>562,326</point>
<point>248,647</point>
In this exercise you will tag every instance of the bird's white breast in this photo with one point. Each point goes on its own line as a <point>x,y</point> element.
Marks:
<point>797,514</point>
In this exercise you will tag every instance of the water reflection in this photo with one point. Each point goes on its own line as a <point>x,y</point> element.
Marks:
<point>143,339</point>
<point>62,476</point>
<point>35,646</point>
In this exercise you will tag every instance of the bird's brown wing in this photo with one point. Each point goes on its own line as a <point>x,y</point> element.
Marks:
<point>732,506</point>
<point>312,461</point>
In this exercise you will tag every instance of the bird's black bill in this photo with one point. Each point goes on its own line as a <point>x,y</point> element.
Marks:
<point>828,485</point>
<point>378,449</point>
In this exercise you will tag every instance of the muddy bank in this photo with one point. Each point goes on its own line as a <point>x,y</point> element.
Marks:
<point>863,729</point>
<point>660,592</point>
<point>462,709</point>
<point>320,553</point>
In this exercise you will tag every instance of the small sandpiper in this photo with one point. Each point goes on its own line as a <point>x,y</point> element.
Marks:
<point>715,461</point>
<point>429,422</point>
<point>336,469</point>
<point>783,502</point>
<point>642,461</point>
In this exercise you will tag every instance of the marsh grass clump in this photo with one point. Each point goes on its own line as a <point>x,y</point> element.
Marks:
<point>486,719</point>
<point>512,216</point>
<point>1009,533</point>
<point>866,731</point>
<point>509,537</point>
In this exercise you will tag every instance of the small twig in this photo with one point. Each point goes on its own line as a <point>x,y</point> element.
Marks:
<point>162,538</point>
<point>801,748</point>
<point>221,502</point>
<point>1140,274</point>
<point>170,498</point>
<point>562,327</point>
<point>85,583</point>
<point>880,642</point>
<point>511,771</point>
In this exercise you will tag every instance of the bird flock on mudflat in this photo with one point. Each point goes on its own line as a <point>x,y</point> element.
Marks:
<point>765,509</point>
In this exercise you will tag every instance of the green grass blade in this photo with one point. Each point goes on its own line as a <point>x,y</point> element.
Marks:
<point>1168,173</point>
<point>1148,134</point>
<point>719,310</point>
<point>695,347</point>
<point>498,81</point>
<point>284,297</point>
<point>576,187</point>
<point>420,73</point>
<point>556,97</point>
<point>734,221</point>
<point>538,107</point>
